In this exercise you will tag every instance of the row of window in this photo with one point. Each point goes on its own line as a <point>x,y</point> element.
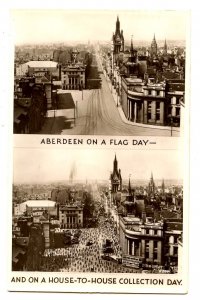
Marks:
<point>71,220</point>
<point>155,248</point>
<point>72,73</point>
<point>167,251</point>
<point>155,245</point>
<point>154,93</point>
<point>175,100</point>
<point>73,212</point>
<point>152,232</point>
<point>73,81</point>
<point>149,112</point>
<point>174,111</point>
<point>172,239</point>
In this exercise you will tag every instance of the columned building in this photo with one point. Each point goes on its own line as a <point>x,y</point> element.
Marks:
<point>175,95</point>
<point>73,76</point>
<point>132,99</point>
<point>73,73</point>
<point>71,215</point>
<point>143,103</point>
<point>141,240</point>
<point>154,103</point>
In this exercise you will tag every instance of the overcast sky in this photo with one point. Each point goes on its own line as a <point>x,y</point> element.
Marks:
<point>42,165</point>
<point>41,26</point>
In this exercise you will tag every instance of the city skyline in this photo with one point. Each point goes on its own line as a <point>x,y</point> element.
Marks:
<point>57,165</point>
<point>73,25</point>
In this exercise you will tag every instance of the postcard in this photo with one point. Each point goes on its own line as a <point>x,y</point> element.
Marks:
<point>99,192</point>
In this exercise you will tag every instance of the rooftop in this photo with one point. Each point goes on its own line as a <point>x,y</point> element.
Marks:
<point>133,80</point>
<point>131,219</point>
<point>42,64</point>
<point>40,203</point>
<point>174,226</point>
<point>75,205</point>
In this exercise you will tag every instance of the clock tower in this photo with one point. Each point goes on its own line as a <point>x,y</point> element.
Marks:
<point>117,41</point>
<point>116,183</point>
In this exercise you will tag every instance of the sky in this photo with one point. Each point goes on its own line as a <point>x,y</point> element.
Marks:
<point>43,26</point>
<point>44,165</point>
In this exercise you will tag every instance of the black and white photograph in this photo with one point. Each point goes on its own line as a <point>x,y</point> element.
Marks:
<point>97,211</point>
<point>99,72</point>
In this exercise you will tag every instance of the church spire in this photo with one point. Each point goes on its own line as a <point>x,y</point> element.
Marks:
<point>115,163</point>
<point>117,25</point>
<point>165,47</point>
<point>163,186</point>
<point>129,186</point>
<point>131,44</point>
<point>154,46</point>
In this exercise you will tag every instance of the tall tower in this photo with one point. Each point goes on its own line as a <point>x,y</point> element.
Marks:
<point>74,55</point>
<point>151,187</point>
<point>117,25</point>
<point>154,47</point>
<point>163,187</point>
<point>165,48</point>
<point>117,41</point>
<point>116,181</point>
<point>132,64</point>
<point>133,52</point>
<point>117,37</point>
<point>129,203</point>
<point>129,186</point>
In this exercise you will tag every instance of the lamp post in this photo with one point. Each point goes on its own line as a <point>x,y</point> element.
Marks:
<point>171,125</point>
<point>117,90</point>
<point>111,81</point>
<point>118,85</point>
<point>54,107</point>
<point>75,112</point>
<point>81,86</point>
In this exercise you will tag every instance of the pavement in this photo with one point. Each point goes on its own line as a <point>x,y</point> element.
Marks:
<point>171,131</point>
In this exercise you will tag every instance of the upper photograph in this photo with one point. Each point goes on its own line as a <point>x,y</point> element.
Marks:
<point>99,72</point>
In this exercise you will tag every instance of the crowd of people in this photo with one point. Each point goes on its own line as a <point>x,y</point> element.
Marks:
<point>87,255</point>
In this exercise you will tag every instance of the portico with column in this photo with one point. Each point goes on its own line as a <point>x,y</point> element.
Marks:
<point>135,109</point>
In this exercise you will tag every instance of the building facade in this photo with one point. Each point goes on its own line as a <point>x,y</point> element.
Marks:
<point>38,68</point>
<point>149,83</point>
<point>73,77</point>
<point>71,216</point>
<point>39,207</point>
<point>142,240</point>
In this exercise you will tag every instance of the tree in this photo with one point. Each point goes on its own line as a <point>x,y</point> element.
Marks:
<point>88,209</point>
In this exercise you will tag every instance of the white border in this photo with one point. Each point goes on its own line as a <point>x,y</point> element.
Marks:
<point>194,135</point>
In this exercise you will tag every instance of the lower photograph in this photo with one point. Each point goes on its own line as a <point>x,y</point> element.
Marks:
<point>84,218</point>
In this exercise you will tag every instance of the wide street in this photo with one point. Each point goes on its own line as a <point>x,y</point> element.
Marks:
<point>96,114</point>
<point>87,255</point>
